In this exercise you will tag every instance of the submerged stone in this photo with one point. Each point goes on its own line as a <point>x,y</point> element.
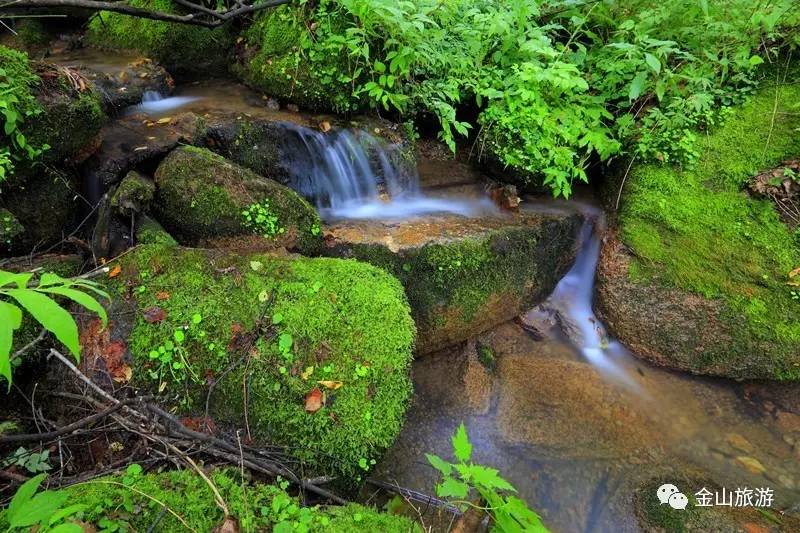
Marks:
<point>204,198</point>
<point>283,327</point>
<point>464,275</point>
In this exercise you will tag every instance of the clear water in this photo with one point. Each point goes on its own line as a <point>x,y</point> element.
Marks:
<point>155,103</point>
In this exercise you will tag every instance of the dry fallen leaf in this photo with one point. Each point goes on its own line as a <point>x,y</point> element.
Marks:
<point>307,373</point>
<point>795,272</point>
<point>164,120</point>
<point>154,314</point>
<point>331,384</point>
<point>314,400</point>
<point>116,271</point>
<point>162,295</point>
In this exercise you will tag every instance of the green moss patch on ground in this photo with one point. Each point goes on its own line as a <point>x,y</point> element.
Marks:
<point>301,321</point>
<point>181,500</point>
<point>202,197</point>
<point>183,49</point>
<point>271,61</point>
<point>695,229</point>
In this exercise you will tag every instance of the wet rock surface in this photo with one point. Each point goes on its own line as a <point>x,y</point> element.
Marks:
<point>464,275</point>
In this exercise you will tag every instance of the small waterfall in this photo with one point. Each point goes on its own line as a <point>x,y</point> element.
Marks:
<point>154,103</point>
<point>351,174</point>
<point>571,303</point>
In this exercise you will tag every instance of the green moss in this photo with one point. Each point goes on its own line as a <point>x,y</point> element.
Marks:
<point>696,230</point>
<point>181,48</point>
<point>459,288</point>
<point>486,357</point>
<point>133,194</point>
<point>275,64</point>
<point>202,195</point>
<point>149,231</point>
<point>347,320</point>
<point>138,500</point>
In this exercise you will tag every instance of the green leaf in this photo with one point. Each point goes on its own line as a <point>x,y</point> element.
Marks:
<point>452,488</point>
<point>486,477</point>
<point>61,514</point>
<point>637,85</point>
<point>755,60</point>
<point>461,445</point>
<point>380,67</point>
<point>24,494</point>
<point>285,342</point>
<point>67,528</point>
<point>81,298</point>
<point>38,509</point>
<point>277,318</point>
<point>653,62</point>
<point>50,315</point>
<point>439,464</point>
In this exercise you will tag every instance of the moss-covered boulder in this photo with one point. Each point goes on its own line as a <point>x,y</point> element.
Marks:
<point>202,197</point>
<point>149,231</point>
<point>183,49</point>
<point>270,59</point>
<point>322,347</point>
<point>133,195</point>
<point>178,501</point>
<point>463,276</point>
<point>701,282</point>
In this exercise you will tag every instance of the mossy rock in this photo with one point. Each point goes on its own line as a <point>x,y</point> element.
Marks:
<point>464,276</point>
<point>69,123</point>
<point>149,231</point>
<point>183,49</point>
<point>133,194</point>
<point>701,282</point>
<point>298,322</point>
<point>135,501</point>
<point>46,202</point>
<point>270,60</point>
<point>202,197</point>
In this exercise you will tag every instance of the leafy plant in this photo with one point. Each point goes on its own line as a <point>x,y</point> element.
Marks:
<point>38,301</point>
<point>259,218</point>
<point>463,478</point>
<point>42,510</point>
<point>33,462</point>
<point>17,103</point>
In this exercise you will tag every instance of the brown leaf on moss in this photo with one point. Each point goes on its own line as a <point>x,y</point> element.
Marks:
<point>314,400</point>
<point>102,354</point>
<point>201,424</point>
<point>162,295</point>
<point>154,314</point>
<point>116,271</point>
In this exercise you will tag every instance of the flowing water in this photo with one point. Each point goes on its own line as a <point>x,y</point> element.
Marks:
<point>573,421</point>
<point>579,425</point>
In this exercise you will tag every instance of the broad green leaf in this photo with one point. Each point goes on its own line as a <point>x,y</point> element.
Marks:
<point>24,494</point>
<point>81,298</point>
<point>452,488</point>
<point>653,62</point>
<point>38,509</point>
<point>637,85</point>
<point>487,477</point>
<point>14,314</point>
<point>10,317</point>
<point>50,315</point>
<point>67,528</point>
<point>50,278</point>
<point>19,279</point>
<point>439,464</point>
<point>61,514</point>
<point>461,445</point>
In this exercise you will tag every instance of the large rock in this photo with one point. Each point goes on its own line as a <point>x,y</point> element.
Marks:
<point>202,197</point>
<point>698,279</point>
<point>463,275</point>
<point>299,327</point>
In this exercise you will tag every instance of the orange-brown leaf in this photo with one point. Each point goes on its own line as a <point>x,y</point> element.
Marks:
<point>116,271</point>
<point>314,400</point>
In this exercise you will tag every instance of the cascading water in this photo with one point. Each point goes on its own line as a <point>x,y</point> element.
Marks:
<point>571,300</point>
<point>154,102</point>
<point>350,174</point>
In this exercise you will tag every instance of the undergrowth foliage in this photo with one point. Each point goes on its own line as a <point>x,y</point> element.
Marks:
<point>16,295</point>
<point>17,103</point>
<point>556,83</point>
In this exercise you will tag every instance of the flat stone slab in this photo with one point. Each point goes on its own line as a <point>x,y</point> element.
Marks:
<point>465,275</point>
